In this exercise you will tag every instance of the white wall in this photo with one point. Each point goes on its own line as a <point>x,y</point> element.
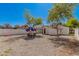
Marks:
<point>51,31</point>
<point>64,31</point>
<point>21,31</point>
<point>77,34</point>
<point>12,31</point>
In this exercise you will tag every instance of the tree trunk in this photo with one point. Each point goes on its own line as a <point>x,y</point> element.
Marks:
<point>57,32</point>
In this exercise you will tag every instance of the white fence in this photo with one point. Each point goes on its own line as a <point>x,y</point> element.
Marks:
<point>12,31</point>
<point>63,31</point>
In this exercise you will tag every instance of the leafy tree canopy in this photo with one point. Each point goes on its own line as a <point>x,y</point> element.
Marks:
<point>73,23</point>
<point>38,21</point>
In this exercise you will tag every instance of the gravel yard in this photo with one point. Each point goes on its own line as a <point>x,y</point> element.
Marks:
<point>42,45</point>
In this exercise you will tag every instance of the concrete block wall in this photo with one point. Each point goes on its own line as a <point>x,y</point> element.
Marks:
<point>12,31</point>
<point>63,31</point>
<point>77,34</point>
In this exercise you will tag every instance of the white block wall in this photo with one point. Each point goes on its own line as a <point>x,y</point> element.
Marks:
<point>50,31</point>
<point>77,34</point>
<point>12,31</point>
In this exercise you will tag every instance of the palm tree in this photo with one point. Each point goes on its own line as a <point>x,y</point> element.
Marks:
<point>59,12</point>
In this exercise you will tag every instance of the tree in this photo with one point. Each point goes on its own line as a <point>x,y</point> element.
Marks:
<point>27,16</point>
<point>59,12</point>
<point>32,21</point>
<point>72,23</point>
<point>16,26</point>
<point>7,26</point>
<point>24,26</point>
<point>1,27</point>
<point>38,21</point>
<point>35,21</point>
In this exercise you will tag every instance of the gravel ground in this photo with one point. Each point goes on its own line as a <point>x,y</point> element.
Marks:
<point>42,45</point>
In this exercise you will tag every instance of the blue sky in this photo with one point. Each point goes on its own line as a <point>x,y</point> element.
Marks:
<point>14,13</point>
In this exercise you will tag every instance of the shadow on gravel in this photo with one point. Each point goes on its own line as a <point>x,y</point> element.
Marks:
<point>65,42</point>
<point>22,37</point>
<point>29,38</point>
<point>68,46</point>
<point>39,36</point>
<point>11,40</point>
